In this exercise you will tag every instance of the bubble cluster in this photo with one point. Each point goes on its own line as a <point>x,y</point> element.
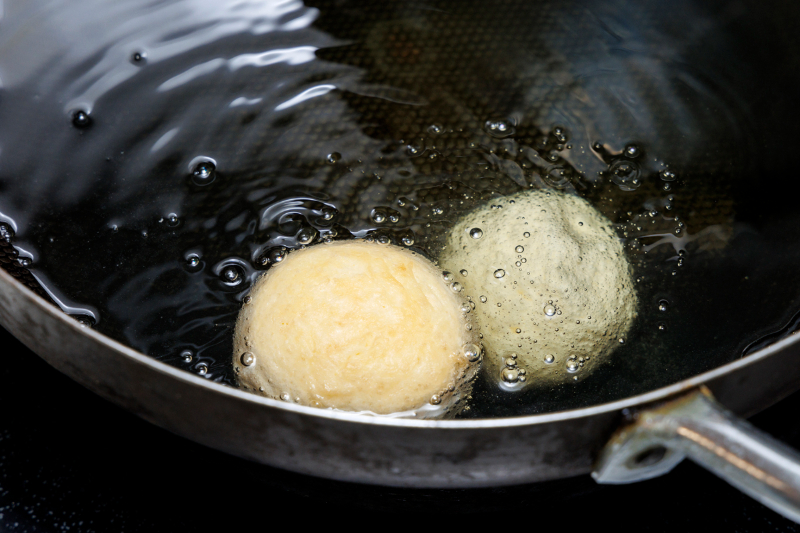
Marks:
<point>273,256</point>
<point>500,128</point>
<point>626,174</point>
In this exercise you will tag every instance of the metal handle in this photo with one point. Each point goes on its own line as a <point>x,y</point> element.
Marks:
<point>697,427</point>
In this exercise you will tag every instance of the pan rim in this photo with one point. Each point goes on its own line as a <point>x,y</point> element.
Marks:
<point>343,416</point>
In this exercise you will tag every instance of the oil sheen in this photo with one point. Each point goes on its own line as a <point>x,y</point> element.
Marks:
<point>157,157</point>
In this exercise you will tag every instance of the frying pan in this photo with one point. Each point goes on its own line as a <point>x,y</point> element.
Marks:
<point>635,438</point>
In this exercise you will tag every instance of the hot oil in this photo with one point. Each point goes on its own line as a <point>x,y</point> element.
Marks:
<point>153,170</point>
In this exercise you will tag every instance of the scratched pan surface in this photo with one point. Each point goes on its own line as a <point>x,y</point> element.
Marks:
<point>153,154</point>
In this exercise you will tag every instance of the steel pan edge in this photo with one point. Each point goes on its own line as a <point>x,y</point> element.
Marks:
<point>343,446</point>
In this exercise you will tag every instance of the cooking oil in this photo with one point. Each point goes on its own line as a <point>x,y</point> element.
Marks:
<point>155,159</point>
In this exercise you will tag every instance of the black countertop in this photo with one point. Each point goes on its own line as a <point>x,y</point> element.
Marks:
<point>70,461</point>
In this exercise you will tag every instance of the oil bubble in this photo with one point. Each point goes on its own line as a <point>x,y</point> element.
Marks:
<point>378,216</point>
<point>455,286</point>
<point>306,235</point>
<point>526,234</point>
<point>333,158</point>
<point>667,175</point>
<point>572,366</point>
<point>81,119</point>
<point>549,310</point>
<point>186,356</point>
<point>204,173</point>
<point>232,275</point>
<point>632,151</point>
<point>248,358</point>
<point>499,273</point>
<point>202,369</point>
<point>464,273</point>
<point>476,233</point>
<point>663,305</point>
<point>408,240</point>
<point>472,352</point>
<point>84,320</point>
<point>549,359</point>
<point>447,276</point>
<point>193,262</point>
<point>276,255</point>
<point>483,299</point>
<point>436,399</point>
<point>138,58</point>
<point>519,249</point>
<point>510,375</point>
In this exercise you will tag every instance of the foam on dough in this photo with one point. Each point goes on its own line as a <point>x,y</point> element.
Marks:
<point>357,326</point>
<point>566,297</point>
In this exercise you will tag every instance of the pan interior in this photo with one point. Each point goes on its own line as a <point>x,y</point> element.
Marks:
<point>154,157</point>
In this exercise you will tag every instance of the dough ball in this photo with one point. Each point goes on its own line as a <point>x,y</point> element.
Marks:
<point>552,286</point>
<point>357,326</point>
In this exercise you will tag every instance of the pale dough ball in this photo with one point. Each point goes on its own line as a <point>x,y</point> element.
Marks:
<point>357,326</point>
<point>550,281</point>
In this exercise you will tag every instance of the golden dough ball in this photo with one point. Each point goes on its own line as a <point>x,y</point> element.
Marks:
<point>552,286</point>
<point>357,326</point>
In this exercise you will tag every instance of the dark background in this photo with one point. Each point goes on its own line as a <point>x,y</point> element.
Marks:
<point>70,461</point>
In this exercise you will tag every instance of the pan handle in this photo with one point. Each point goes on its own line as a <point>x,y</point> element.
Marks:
<point>694,425</point>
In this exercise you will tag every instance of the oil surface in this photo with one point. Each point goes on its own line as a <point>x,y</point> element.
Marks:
<point>156,157</point>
